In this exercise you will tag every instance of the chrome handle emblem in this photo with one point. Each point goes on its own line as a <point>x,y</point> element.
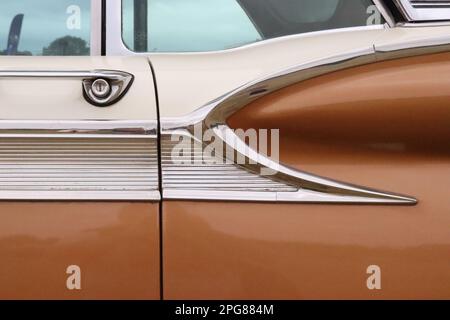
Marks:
<point>101,88</point>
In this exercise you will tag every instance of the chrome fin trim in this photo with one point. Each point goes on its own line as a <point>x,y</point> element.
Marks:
<point>308,188</point>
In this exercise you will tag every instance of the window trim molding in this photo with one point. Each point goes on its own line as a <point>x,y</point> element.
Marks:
<point>385,12</point>
<point>116,47</point>
<point>96,28</point>
<point>417,14</point>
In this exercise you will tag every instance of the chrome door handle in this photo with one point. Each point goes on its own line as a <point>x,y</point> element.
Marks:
<point>101,88</point>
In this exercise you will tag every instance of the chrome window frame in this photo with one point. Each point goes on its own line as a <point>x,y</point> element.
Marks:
<point>96,28</point>
<point>385,12</point>
<point>422,14</point>
<point>116,47</point>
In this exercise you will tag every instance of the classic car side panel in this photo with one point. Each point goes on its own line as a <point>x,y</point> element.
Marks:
<point>383,125</point>
<point>394,113</point>
<point>93,175</point>
<point>115,244</point>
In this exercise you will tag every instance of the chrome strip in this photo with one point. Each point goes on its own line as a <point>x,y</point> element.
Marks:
<point>385,12</point>
<point>119,82</point>
<point>58,128</point>
<point>79,160</point>
<point>96,27</point>
<point>310,188</point>
<point>425,10</point>
<point>114,42</point>
<point>423,24</point>
<point>301,196</point>
<point>152,196</point>
<point>107,74</point>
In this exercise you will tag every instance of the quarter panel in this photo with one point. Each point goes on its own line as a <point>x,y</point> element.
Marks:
<point>383,125</point>
<point>219,250</point>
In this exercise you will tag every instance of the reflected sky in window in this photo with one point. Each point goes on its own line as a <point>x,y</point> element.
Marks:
<point>44,22</point>
<point>192,25</point>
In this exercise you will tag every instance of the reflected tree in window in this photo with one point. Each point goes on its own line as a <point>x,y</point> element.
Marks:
<point>67,46</point>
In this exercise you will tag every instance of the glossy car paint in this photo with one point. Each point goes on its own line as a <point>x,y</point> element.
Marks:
<point>384,126</point>
<point>116,245</point>
<point>181,78</point>
<point>62,98</point>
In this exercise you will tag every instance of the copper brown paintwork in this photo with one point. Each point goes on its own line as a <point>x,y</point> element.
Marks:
<point>385,126</point>
<point>115,244</point>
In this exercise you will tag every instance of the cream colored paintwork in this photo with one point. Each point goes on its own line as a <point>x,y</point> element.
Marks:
<point>397,37</point>
<point>62,99</point>
<point>187,81</point>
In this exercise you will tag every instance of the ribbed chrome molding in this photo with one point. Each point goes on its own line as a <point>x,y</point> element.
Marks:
<point>196,175</point>
<point>299,186</point>
<point>424,10</point>
<point>79,160</point>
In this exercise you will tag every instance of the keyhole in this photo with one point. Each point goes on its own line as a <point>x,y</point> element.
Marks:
<point>101,88</point>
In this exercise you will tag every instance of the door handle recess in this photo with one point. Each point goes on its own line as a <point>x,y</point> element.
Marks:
<point>101,88</point>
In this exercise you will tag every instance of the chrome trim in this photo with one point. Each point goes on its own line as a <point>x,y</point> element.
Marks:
<point>79,160</point>
<point>424,10</point>
<point>385,12</point>
<point>423,24</point>
<point>218,111</point>
<point>201,179</point>
<point>116,47</point>
<point>96,28</point>
<point>120,82</point>
<point>310,188</point>
<point>114,42</point>
<point>85,128</point>
<point>396,50</point>
<point>79,196</point>
<point>318,189</point>
<point>301,196</point>
<point>197,172</point>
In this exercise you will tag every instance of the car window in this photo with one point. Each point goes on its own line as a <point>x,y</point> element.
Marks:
<point>189,25</point>
<point>45,27</point>
<point>208,25</point>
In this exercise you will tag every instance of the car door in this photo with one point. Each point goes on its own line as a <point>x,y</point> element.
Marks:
<point>344,192</point>
<point>79,192</point>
